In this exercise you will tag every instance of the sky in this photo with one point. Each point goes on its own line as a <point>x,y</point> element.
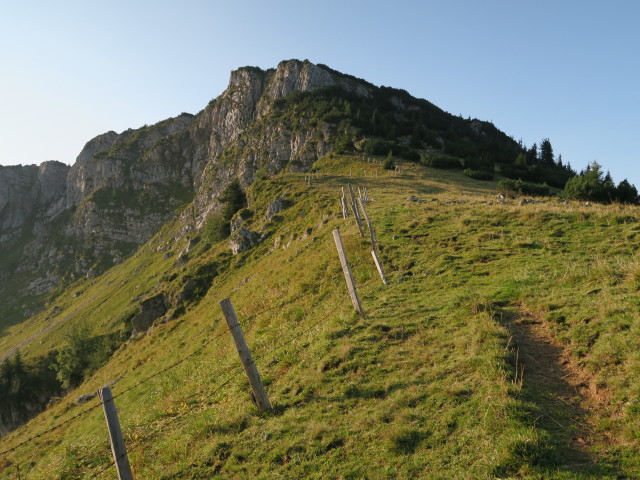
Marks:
<point>564,70</point>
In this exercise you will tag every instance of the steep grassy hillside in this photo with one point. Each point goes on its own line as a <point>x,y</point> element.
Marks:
<point>505,346</point>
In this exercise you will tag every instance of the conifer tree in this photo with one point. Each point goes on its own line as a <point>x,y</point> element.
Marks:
<point>546,153</point>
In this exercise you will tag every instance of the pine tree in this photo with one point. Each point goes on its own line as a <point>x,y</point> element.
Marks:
<point>532,155</point>
<point>546,153</point>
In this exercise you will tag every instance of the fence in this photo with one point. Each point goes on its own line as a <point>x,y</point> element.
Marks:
<point>107,400</point>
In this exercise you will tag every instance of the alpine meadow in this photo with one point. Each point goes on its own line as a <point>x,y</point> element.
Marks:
<point>421,296</point>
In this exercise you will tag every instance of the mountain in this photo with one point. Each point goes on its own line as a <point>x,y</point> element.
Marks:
<point>504,345</point>
<point>58,224</point>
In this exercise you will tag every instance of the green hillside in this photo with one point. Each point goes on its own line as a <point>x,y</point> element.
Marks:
<point>505,346</point>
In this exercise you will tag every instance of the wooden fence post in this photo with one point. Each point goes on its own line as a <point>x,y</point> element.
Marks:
<point>376,260</point>
<point>343,204</point>
<point>351,286</point>
<point>372,234</point>
<point>345,208</point>
<point>259,393</point>
<point>118,447</point>
<point>354,207</point>
<point>374,245</point>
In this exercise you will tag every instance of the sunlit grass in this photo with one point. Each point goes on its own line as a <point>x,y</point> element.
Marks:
<point>424,387</point>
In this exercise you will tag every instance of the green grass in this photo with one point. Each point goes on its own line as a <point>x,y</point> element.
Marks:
<point>423,387</point>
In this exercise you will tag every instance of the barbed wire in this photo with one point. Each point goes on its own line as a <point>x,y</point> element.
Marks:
<point>49,430</point>
<point>192,354</point>
<point>238,371</point>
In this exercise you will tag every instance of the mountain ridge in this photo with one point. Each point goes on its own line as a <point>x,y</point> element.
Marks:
<point>100,216</point>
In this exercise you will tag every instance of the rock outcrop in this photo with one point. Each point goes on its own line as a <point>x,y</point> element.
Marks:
<point>58,223</point>
<point>30,191</point>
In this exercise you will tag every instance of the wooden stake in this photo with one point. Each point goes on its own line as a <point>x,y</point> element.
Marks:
<point>351,286</point>
<point>356,214</point>
<point>376,260</point>
<point>372,233</point>
<point>118,447</point>
<point>345,209</point>
<point>259,393</point>
<point>374,244</point>
<point>353,201</point>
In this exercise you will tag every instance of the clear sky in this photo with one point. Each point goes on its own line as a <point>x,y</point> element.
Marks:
<point>567,70</point>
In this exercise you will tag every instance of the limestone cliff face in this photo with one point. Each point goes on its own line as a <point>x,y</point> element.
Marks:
<point>111,160</point>
<point>241,139</point>
<point>123,187</point>
<point>29,191</point>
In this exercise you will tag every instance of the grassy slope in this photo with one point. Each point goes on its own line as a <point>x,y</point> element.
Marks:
<point>424,387</point>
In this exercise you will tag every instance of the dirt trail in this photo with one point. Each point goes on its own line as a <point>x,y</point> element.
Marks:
<point>564,396</point>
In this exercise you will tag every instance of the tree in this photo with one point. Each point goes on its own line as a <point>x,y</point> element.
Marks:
<point>546,153</point>
<point>626,192</point>
<point>521,160</point>
<point>532,155</point>
<point>73,359</point>
<point>592,185</point>
<point>388,163</point>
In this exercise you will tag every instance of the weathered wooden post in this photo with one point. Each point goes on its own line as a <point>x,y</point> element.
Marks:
<point>351,286</point>
<point>345,208</point>
<point>354,208</point>
<point>343,204</point>
<point>372,234</point>
<point>374,245</point>
<point>118,447</point>
<point>259,393</point>
<point>376,260</point>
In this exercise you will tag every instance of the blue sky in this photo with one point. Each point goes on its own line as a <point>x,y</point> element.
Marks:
<point>566,70</point>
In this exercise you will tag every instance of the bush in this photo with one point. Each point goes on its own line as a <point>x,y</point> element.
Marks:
<point>478,174</point>
<point>217,226</point>
<point>524,188</point>
<point>410,155</point>
<point>438,160</point>
<point>83,355</point>
<point>388,163</point>
<point>592,185</point>
<point>376,146</point>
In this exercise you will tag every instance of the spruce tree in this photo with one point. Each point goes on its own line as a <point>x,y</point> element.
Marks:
<point>546,153</point>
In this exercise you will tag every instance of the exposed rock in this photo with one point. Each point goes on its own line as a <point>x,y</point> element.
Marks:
<point>85,398</point>
<point>151,309</point>
<point>276,206</point>
<point>30,191</point>
<point>78,221</point>
<point>242,240</point>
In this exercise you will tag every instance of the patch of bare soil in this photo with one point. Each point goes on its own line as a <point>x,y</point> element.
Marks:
<point>564,399</point>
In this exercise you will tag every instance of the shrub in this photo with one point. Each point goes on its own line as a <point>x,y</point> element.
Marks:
<point>523,188</point>
<point>388,163</point>
<point>592,185</point>
<point>438,160</point>
<point>478,174</point>
<point>217,226</point>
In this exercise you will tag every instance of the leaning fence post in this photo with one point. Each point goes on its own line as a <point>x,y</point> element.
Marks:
<point>351,286</point>
<point>354,207</point>
<point>374,244</point>
<point>259,393</point>
<point>118,447</point>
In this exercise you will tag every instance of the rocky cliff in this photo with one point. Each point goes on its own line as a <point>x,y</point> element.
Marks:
<point>58,222</point>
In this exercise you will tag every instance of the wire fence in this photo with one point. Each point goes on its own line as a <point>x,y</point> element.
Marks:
<point>229,374</point>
